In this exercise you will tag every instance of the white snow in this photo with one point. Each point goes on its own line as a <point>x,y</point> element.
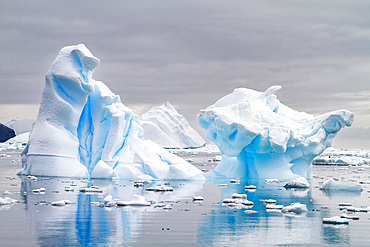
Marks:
<point>266,139</point>
<point>296,208</point>
<point>83,130</point>
<point>165,126</point>
<point>7,201</point>
<point>340,186</point>
<point>298,182</point>
<point>335,220</point>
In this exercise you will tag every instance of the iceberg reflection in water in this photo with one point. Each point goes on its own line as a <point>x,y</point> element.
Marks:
<point>34,221</point>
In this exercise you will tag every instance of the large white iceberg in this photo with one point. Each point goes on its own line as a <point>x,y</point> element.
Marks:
<point>262,138</point>
<point>165,126</point>
<point>83,130</point>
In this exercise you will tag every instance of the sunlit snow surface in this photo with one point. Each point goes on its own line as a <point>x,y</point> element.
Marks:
<point>84,130</point>
<point>262,138</point>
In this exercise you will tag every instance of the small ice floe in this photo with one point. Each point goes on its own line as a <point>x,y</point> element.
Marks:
<point>236,202</point>
<point>92,189</point>
<point>138,184</point>
<point>137,200</point>
<point>345,204</point>
<point>271,180</point>
<point>354,209</point>
<point>94,203</point>
<point>85,181</point>
<point>160,188</point>
<point>298,182</point>
<point>274,207</point>
<point>352,217</point>
<point>296,208</point>
<point>340,186</point>
<point>236,195</point>
<point>31,177</point>
<point>250,211</point>
<point>268,201</point>
<point>109,202</point>
<point>198,198</point>
<point>335,220</point>
<point>69,189</point>
<point>39,191</point>
<point>61,203</point>
<point>6,192</point>
<point>222,185</point>
<point>235,181</point>
<point>250,187</point>
<point>7,201</point>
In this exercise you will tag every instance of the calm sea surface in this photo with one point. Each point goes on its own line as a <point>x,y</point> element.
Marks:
<point>35,222</point>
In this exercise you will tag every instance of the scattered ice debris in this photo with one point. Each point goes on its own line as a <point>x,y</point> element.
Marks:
<point>274,206</point>
<point>109,202</point>
<point>222,185</point>
<point>61,203</point>
<point>340,186</point>
<point>237,202</point>
<point>236,195</point>
<point>271,180</point>
<point>137,200</point>
<point>39,191</point>
<point>198,198</point>
<point>345,204</point>
<point>7,201</point>
<point>160,188</point>
<point>298,182</point>
<point>235,181</point>
<point>352,217</point>
<point>250,187</point>
<point>167,207</point>
<point>138,184</point>
<point>268,201</point>
<point>335,220</point>
<point>296,208</point>
<point>92,189</point>
<point>6,192</point>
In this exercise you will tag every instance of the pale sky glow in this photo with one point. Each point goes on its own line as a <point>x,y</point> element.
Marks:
<point>191,53</point>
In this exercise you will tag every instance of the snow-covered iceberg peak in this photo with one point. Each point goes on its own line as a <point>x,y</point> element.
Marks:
<point>83,130</point>
<point>165,126</point>
<point>266,139</point>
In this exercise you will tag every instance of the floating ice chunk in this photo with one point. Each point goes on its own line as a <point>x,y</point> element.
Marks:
<point>354,209</point>
<point>296,208</point>
<point>167,207</point>
<point>335,220</point>
<point>137,200</point>
<point>7,201</point>
<point>235,181</point>
<point>32,177</point>
<point>274,206</point>
<point>250,187</point>
<point>266,138</point>
<point>198,198</point>
<point>250,211</point>
<point>6,192</point>
<point>271,180</point>
<point>235,195</point>
<point>269,201</point>
<point>165,126</point>
<point>340,186</point>
<point>102,170</point>
<point>237,201</point>
<point>39,191</point>
<point>61,203</point>
<point>160,188</point>
<point>298,182</point>
<point>345,204</point>
<point>91,190</point>
<point>352,217</point>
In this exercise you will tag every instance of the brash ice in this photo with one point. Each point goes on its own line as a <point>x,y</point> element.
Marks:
<point>260,137</point>
<point>83,130</point>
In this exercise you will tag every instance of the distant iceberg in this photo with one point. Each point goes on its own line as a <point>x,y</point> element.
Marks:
<point>83,130</point>
<point>262,138</point>
<point>166,127</point>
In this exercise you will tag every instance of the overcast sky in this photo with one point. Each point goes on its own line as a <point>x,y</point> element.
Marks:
<point>192,53</point>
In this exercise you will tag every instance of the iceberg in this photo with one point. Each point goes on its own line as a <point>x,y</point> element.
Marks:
<point>260,137</point>
<point>330,184</point>
<point>165,126</point>
<point>83,130</point>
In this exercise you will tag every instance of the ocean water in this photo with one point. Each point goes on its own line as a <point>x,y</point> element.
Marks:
<point>35,222</point>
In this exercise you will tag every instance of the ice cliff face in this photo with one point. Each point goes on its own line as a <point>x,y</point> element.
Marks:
<point>165,126</point>
<point>262,138</point>
<point>83,130</point>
